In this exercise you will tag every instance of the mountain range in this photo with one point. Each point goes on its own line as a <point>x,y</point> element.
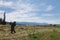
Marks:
<point>31,23</point>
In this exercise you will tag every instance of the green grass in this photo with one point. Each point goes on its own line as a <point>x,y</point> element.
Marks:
<point>36,36</point>
<point>55,35</point>
<point>43,36</point>
<point>30,33</point>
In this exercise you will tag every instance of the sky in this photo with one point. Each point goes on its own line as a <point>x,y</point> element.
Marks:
<point>40,11</point>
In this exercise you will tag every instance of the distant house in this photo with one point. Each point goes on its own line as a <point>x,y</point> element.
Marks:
<point>2,21</point>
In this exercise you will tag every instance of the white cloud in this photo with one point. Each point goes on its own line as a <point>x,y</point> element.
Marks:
<point>47,14</point>
<point>49,8</point>
<point>22,12</point>
<point>45,7</point>
<point>17,15</point>
<point>1,13</point>
<point>7,4</point>
<point>24,17</point>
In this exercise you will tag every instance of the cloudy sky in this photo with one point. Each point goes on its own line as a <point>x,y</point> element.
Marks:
<point>41,11</point>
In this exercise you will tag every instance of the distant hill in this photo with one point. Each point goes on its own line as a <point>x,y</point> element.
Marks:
<point>31,23</point>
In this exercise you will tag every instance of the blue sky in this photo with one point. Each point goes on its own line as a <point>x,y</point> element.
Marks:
<point>41,11</point>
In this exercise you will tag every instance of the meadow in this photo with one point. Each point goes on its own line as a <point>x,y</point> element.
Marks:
<point>30,33</point>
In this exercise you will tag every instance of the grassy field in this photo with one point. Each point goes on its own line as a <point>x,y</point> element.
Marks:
<point>30,33</point>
